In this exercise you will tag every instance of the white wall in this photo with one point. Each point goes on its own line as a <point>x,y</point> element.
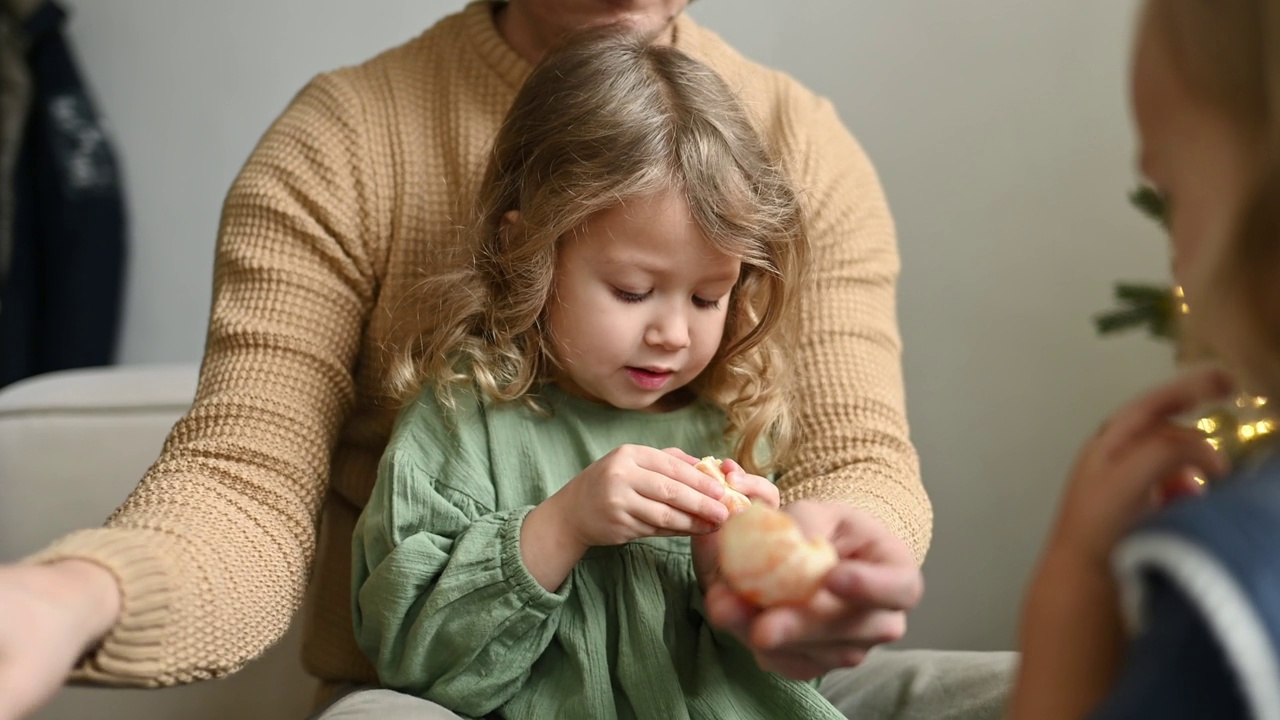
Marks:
<point>1001,133</point>
<point>188,88</point>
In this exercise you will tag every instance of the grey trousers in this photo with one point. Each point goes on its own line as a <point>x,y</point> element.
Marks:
<point>889,685</point>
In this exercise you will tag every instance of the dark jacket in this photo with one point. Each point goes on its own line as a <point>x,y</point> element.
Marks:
<point>60,306</point>
<point>1202,585</point>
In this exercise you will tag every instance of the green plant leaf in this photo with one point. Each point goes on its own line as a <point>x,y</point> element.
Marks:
<point>1151,203</point>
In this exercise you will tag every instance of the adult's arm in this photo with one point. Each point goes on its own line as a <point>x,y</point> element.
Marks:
<point>213,549</point>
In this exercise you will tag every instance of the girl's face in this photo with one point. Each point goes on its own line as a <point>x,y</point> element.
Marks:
<point>639,303</point>
<point>1190,153</point>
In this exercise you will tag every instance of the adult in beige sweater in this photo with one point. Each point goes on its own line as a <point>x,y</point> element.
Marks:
<point>356,186</point>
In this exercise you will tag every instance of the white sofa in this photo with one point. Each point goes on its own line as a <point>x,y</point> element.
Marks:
<point>72,446</point>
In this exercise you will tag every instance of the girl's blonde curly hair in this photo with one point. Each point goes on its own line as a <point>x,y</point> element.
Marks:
<point>605,118</point>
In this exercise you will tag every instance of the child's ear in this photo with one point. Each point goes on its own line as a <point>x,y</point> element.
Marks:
<point>510,219</point>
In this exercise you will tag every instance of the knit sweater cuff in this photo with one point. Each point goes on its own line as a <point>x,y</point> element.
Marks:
<point>130,654</point>
<point>913,529</point>
<point>899,524</point>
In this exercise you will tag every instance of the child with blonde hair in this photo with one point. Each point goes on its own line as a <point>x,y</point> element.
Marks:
<point>1198,581</point>
<point>629,288</point>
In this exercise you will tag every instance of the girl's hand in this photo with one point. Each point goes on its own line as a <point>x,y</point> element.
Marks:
<point>635,492</point>
<point>753,486</point>
<point>1139,457</point>
<point>758,488</point>
<point>706,548</point>
<point>1072,636</point>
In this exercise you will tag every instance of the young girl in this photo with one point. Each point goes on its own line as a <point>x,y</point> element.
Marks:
<point>630,286</point>
<point>1200,579</point>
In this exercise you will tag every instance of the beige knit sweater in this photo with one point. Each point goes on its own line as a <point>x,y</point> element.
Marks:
<point>351,190</point>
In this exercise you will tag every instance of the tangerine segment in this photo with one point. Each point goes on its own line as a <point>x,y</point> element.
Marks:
<point>735,501</point>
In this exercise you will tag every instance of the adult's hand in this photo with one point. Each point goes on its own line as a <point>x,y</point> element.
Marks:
<point>863,603</point>
<point>49,616</point>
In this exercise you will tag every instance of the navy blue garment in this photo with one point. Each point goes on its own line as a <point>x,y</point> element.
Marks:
<point>1203,583</point>
<point>60,306</point>
<point>1175,667</point>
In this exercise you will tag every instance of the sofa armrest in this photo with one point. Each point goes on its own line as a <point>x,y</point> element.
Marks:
<point>72,446</point>
<point>74,443</point>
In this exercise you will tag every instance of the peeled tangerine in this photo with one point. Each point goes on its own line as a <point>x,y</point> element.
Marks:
<point>732,499</point>
<point>767,560</point>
